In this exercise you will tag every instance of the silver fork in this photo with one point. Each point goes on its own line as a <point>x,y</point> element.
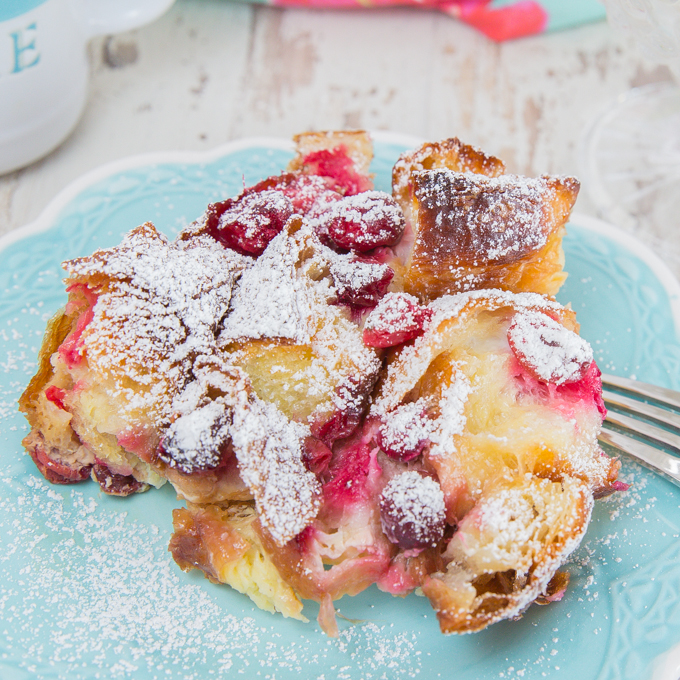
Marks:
<point>643,420</point>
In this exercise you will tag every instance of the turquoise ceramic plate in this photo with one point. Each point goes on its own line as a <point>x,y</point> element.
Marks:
<point>88,589</point>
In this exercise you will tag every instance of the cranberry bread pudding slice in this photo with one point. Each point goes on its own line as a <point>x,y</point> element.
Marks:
<point>239,362</point>
<point>470,226</point>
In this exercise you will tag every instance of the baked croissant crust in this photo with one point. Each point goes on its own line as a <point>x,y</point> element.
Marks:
<point>470,226</point>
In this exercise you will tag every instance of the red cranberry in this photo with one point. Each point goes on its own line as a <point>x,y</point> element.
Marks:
<point>311,194</point>
<point>115,484</point>
<point>353,395</point>
<point>548,351</point>
<point>398,318</point>
<point>412,511</point>
<point>360,284</point>
<point>248,223</point>
<point>349,473</point>
<point>307,193</point>
<point>56,472</point>
<point>361,222</point>
<point>405,433</point>
<point>72,350</point>
<point>588,388</point>
<point>316,455</point>
<point>56,395</point>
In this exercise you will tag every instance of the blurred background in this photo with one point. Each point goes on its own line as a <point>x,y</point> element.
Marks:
<point>211,71</point>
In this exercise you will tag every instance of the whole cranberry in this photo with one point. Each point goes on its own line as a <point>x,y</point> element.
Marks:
<point>362,222</point>
<point>412,511</point>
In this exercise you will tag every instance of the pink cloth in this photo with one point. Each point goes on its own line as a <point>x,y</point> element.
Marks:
<point>498,19</point>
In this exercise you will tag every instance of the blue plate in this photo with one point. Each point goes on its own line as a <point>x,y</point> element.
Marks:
<point>88,589</point>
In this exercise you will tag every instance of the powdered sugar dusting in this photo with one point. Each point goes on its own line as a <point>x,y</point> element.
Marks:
<point>269,451</point>
<point>195,439</point>
<point>253,212</point>
<point>418,501</point>
<point>511,521</point>
<point>416,358</point>
<point>393,312</point>
<point>289,294</point>
<point>552,352</point>
<point>159,306</point>
<point>451,306</point>
<point>451,421</point>
<point>354,275</point>
<point>449,153</point>
<point>511,527</point>
<point>98,596</point>
<point>397,318</point>
<point>271,300</point>
<point>286,293</point>
<point>362,221</point>
<point>406,427</point>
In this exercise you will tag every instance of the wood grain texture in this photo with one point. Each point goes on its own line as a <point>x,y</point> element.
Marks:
<point>212,70</point>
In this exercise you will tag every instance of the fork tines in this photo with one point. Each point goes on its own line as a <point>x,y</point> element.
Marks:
<point>643,421</point>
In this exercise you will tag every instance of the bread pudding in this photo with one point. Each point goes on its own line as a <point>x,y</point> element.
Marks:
<point>346,387</point>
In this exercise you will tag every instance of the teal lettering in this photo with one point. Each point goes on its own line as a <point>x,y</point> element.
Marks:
<point>25,53</point>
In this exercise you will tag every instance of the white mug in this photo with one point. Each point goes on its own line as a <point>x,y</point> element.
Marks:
<point>44,68</point>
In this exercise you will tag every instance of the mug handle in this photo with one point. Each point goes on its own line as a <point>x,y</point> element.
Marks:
<point>103,17</point>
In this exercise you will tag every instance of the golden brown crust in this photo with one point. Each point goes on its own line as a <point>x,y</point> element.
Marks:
<point>467,600</point>
<point>470,233</point>
<point>448,153</point>
<point>58,327</point>
<point>465,232</point>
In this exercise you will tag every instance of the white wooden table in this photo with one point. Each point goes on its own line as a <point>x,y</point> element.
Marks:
<point>211,71</point>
